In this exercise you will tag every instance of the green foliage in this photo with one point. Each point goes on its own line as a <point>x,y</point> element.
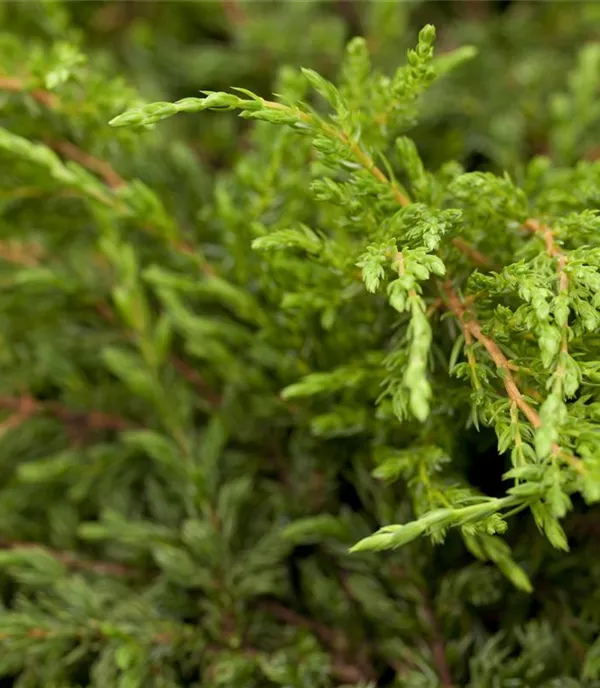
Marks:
<point>230,396</point>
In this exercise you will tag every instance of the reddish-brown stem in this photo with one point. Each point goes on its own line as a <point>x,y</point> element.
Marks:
<point>289,616</point>
<point>435,305</point>
<point>20,253</point>
<point>234,11</point>
<point>401,271</point>
<point>194,377</point>
<point>438,648</point>
<point>471,356</point>
<point>437,645</point>
<point>96,629</point>
<point>71,561</point>
<point>553,250</point>
<point>536,227</point>
<point>350,13</point>
<point>559,255</point>
<point>26,406</point>
<point>469,324</point>
<point>183,368</point>
<point>115,181</point>
<point>348,673</point>
<point>335,642</point>
<point>476,10</point>
<point>101,167</point>
<point>16,85</point>
<point>472,253</point>
<point>365,652</point>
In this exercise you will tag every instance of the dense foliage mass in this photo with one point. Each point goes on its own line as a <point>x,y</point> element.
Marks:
<point>306,398</point>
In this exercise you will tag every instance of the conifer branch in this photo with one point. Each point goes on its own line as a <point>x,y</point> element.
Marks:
<point>361,156</point>
<point>469,324</point>
<point>560,256</point>
<point>368,164</point>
